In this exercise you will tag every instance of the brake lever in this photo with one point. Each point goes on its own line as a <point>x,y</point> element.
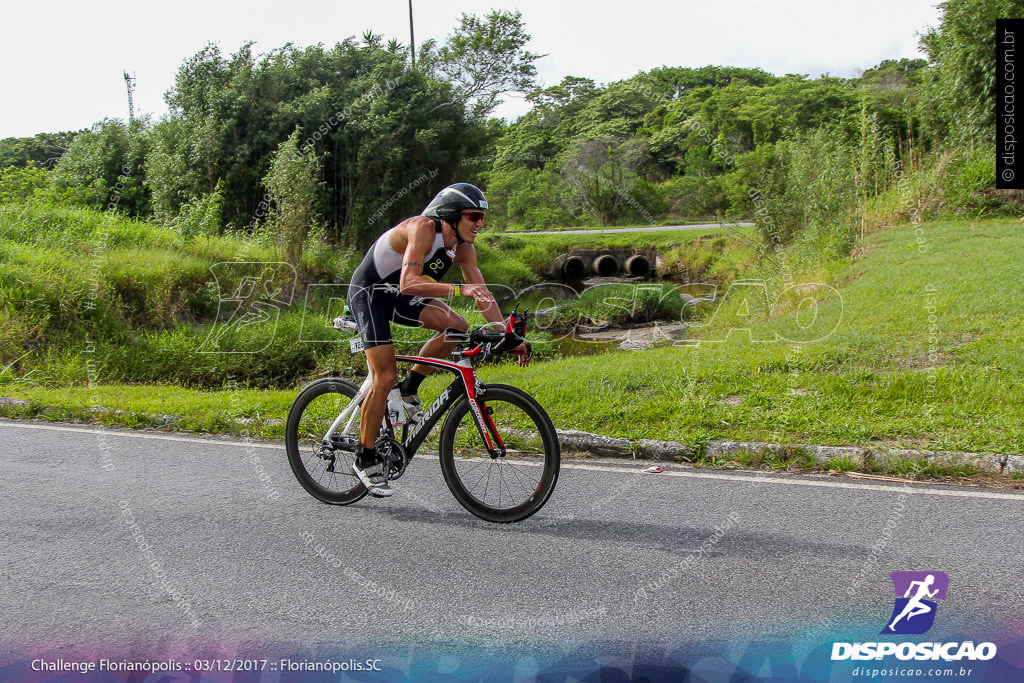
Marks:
<point>512,317</point>
<point>519,328</point>
<point>524,360</point>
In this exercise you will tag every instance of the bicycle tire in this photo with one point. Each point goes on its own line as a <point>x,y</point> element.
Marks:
<point>304,428</point>
<point>531,441</point>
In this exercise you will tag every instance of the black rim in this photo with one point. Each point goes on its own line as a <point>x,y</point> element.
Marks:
<point>507,488</point>
<point>323,470</point>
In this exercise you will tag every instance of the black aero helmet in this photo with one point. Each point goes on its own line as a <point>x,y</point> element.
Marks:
<point>453,199</point>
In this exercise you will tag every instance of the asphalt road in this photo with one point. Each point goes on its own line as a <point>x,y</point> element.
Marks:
<point>650,228</point>
<point>253,561</point>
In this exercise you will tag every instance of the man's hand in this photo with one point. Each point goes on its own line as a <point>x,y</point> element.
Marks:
<point>479,293</point>
<point>525,353</point>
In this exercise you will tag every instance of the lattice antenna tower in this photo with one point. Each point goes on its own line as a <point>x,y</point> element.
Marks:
<point>129,81</point>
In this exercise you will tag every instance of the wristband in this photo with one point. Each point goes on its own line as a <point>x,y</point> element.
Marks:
<point>456,290</point>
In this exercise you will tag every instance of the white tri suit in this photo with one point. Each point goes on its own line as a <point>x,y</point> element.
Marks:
<point>373,295</point>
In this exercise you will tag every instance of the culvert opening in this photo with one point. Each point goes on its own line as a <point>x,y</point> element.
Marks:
<point>638,266</point>
<point>606,265</point>
<point>574,268</point>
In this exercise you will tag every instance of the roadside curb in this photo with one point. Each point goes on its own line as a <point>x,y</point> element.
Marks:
<point>674,451</point>
<point>650,449</point>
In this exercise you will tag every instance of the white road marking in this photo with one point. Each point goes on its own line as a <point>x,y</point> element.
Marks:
<point>913,488</point>
<point>768,478</point>
<point>143,435</point>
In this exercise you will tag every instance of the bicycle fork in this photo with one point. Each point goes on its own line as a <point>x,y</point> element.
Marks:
<point>482,417</point>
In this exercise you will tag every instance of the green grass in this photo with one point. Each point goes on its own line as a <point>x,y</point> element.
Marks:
<point>869,382</point>
<point>880,378</point>
<point>518,260</point>
<point>220,412</point>
<point>621,303</point>
<point>136,299</point>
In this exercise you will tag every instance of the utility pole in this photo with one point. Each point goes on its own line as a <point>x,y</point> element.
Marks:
<point>130,82</point>
<point>412,38</point>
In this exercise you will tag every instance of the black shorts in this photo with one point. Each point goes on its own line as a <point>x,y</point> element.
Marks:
<point>374,308</point>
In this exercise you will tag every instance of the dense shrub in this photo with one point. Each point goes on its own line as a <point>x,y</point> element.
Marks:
<point>694,196</point>
<point>20,183</point>
<point>528,199</point>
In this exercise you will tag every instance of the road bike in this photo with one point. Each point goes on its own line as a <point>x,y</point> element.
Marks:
<point>498,449</point>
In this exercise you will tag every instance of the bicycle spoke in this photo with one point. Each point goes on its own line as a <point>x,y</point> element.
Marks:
<point>509,481</point>
<point>519,477</point>
<point>309,421</point>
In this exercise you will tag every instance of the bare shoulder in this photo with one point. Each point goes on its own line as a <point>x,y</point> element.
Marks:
<point>465,253</point>
<point>417,229</point>
<point>418,223</point>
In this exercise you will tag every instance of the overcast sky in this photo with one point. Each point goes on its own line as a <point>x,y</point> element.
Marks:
<point>61,62</point>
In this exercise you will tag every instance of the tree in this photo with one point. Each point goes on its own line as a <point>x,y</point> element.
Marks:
<point>529,198</point>
<point>103,167</point>
<point>708,127</point>
<point>484,59</point>
<point>41,151</point>
<point>383,143</point>
<point>675,82</point>
<point>545,131</point>
<point>292,183</point>
<point>960,97</point>
<point>173,171</point>
<point>19,183</point>
<point>603,174</point>
<point>619,109</point>
<point>200,216</point>
<point>891,91</point>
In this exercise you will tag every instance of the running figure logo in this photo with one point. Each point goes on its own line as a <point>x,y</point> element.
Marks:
<point>914,611</point>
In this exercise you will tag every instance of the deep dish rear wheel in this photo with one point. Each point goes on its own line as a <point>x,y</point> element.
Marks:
<point>512,487</point>
<point>323,470</point>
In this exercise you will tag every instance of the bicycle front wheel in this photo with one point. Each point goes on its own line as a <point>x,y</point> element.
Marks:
<point>323,469</point>
<point>512,487</point>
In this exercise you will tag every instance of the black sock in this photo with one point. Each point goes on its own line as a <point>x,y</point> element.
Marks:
<point>412,383</point>
<point>365,457</point>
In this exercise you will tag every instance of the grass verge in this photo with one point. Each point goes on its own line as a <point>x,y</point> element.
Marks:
<point>907,348</point>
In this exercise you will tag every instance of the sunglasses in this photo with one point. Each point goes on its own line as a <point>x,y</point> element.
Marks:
<point>474,216</point>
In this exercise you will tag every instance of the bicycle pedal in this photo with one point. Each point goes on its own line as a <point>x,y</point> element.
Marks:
<point>344,443</point>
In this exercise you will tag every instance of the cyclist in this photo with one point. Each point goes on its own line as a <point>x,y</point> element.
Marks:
<point>399,280</point>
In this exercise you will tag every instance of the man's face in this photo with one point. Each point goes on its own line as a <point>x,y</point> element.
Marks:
<point>471,221</point>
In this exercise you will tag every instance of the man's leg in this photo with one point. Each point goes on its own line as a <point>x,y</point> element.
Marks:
<point>434,315</point>
<point>381,360</point>
<point>437,315</point>
<point>370,471</point>
<point>372,309</point>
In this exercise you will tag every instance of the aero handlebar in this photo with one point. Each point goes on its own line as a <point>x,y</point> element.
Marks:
<point>486,342</point>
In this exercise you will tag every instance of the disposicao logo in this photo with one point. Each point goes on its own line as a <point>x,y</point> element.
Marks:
<point>914,613</point>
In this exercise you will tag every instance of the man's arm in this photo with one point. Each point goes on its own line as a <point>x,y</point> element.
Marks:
<point>466,256</point>
<point>475,287</point>
<point>412,281</point>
